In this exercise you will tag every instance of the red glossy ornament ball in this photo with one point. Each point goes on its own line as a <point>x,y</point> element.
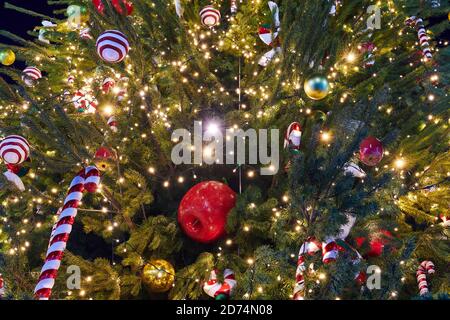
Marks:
<point>98,4</point>
<point>371,151</point>
<point>204,209</point>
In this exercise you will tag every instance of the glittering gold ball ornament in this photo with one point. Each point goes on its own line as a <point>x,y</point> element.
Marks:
<point>7,57</point>
<point>316,87</point>
<point>158,275</point>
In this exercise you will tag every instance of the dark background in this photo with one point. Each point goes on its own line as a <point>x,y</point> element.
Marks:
<point>19,23</point>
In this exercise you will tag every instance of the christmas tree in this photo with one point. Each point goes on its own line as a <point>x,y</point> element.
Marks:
<point>117,183</point>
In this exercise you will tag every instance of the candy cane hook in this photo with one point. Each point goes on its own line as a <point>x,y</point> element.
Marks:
<point>426,267</point>
<point>88,180</point>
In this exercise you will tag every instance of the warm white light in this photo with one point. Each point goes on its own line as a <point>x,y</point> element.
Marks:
<point>351,57</point>
<point>108,110</point>
<point>400,163</point>
<point>325,136</point>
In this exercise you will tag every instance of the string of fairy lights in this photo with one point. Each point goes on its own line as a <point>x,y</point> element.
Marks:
<point>204,41</point>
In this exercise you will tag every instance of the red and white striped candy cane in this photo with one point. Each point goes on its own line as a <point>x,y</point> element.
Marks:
<point>88,180</point>
<point>417,23</point>
<point>213,288</point>
<point>330,251</point>
<point>310,247</point>
<point>424,268</point>
<point>112,123</point>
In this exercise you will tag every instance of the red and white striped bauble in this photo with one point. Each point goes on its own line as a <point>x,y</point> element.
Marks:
<point>86,33</point>
<point>30,75</point>
<point>84,101</point>
<point>88,180</point>
<point>112,46</point>
<point>112,123</point>
<point>210,16</point>
<point>14,149</point>
<point>426,267</point>
<point>213,288</point>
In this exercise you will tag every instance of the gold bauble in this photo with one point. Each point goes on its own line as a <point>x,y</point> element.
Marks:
<point>7,57</point>
<point>316,88</point>
<point>158,275</point>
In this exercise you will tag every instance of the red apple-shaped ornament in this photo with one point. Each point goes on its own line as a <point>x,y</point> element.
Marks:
<point>117,4</point>
<point>204,209</point>
<point>371,151</point>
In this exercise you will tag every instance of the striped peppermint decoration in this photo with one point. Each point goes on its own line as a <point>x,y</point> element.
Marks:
<point>30,75</point>
<point>88,180</point>
<point>213,288</point>
<point>210,16</point>
<point>14,149</point>
<point>417,23</point>
<point>112,46</point>
<point>426,267</point>
<point>86,34</point>
<point>112,123</point>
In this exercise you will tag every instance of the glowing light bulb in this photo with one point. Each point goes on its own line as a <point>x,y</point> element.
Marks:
<point>351,57</point>
<point>400,163</point>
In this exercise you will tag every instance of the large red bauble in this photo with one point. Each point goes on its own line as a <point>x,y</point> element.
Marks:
<point>98,4</point>
<point>376,243</point>
<point>204,209</point>
<point>371,151</point>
